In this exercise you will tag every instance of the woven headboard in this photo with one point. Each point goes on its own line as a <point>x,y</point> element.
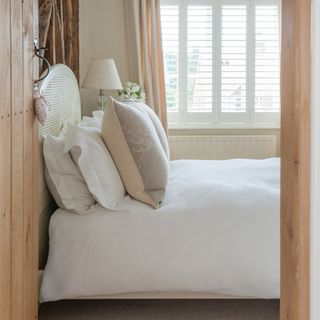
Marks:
<point>61,90</point>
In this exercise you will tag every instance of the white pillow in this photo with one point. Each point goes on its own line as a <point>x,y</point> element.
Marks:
<point>92,157</point>
<point>63,178</point>
<point>86,122</point>
<point>90,122</point>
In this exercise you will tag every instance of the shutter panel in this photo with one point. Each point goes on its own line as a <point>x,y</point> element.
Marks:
<point>233,58</point>
<point>222,62</point>
<point>267,59</point>
<point>170,36</point>
<point>200,59</point>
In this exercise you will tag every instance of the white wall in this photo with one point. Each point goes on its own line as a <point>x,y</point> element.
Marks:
<point>102,35</point>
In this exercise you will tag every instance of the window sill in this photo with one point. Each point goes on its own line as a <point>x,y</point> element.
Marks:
<point>223,127</point>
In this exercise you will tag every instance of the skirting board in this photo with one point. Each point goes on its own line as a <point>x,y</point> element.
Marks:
<point>155,295</point>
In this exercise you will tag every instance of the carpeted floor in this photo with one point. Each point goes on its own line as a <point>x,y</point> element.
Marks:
<point>161,310</point>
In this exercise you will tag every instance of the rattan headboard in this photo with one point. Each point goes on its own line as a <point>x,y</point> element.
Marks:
<point>61,90</point>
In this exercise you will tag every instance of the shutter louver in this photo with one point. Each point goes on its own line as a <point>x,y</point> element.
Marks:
<point>234,58</point>
<point>200,60</point>
<point>267,59</point>
<point>170,43</point>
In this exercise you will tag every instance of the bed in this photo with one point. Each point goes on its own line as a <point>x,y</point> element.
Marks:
<point>216,234</point>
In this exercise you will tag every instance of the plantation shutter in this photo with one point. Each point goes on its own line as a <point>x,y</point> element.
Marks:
<point>267,59</point>
<point>234,62</point>
<point>222,62</point>
<point>199,58</point>
<point>170,36</point>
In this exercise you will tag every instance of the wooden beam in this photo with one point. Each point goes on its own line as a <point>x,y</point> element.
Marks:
<point>295,159</point>
<point>18,154</point>
<point>5,162</point>
<point>30,215</point>
<point>17,232</point>
<point>59,31</point>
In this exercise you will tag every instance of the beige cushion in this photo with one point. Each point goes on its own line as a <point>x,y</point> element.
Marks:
<point>155,120</point>
<point>137,149</point>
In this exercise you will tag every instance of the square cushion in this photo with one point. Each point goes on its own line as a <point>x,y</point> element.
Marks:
<point>138,148</point>
<point>155,121</point>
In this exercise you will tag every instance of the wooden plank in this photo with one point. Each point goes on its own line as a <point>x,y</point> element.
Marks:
<point>63,24</point>
<point>35,183</point>
<point>5,161</point>
<point>17,123</point>
<point>295,159</point>
<point>30,211</point>
<point>18,132</point>
<point>71,35</point>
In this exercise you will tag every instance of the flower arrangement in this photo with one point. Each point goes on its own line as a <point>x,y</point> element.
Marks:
<point>132,90</point>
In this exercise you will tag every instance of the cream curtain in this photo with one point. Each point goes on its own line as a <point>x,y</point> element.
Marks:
<point>146,67</point>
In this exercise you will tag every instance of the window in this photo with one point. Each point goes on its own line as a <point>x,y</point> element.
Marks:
<point>222,62</point>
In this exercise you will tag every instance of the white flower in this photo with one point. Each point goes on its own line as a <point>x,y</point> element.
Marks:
<point>135,88</point>
<point>132,90</point>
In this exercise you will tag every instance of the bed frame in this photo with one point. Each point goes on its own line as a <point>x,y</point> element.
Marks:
<point>61,90</point>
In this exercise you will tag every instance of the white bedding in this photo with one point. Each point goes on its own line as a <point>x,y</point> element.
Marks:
<point>217,231</point>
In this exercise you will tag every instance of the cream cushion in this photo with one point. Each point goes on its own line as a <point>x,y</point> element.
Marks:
<point>155,121</point>
<point>138,150</point>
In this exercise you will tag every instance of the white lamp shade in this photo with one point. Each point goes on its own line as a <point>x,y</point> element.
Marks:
<point>102,74</point>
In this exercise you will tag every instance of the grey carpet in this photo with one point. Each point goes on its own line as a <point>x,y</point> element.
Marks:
<point>160,310</point>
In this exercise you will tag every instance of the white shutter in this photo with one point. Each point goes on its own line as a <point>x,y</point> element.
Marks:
<point>222,62</point>
<point>170,42</point>
<point>200,59</point>
<point>267,59</point>
<point>234,58</point>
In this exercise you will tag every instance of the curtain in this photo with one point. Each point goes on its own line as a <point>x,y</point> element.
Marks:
<point>146,67</point>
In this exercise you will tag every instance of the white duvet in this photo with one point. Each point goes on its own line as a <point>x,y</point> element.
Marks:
<point>217,231</point>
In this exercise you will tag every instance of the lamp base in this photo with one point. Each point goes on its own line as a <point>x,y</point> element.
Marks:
<point>102,101</point>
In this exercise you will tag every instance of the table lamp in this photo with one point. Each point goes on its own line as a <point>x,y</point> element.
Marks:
<point>102,74</point>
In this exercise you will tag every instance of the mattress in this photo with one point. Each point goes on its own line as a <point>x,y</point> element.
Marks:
<point>217,231</point>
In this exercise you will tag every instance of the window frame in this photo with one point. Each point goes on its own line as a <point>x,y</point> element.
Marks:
<point>216,118</point>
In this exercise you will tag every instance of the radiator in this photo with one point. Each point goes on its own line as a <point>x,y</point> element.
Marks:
<point>220,147</point>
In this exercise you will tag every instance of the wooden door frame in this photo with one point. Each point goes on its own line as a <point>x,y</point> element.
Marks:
<point>18,161</point>
<point>295,159</point>
<point>315,167</point>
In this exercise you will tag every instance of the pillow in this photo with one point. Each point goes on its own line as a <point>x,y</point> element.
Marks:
<point>90,122</point>
<point>96,165</point>
<point>155,120</point>
<point>141,158</point>
<point>86,122</point>
<point>63,178</point>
